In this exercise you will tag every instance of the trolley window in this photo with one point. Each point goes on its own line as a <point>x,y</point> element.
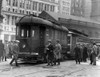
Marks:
<point>25,32</point>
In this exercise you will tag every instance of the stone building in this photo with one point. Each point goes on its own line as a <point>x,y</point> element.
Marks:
<point>64,6</point>
<point>95,14</point>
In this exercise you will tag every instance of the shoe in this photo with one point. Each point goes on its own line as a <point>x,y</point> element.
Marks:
<point>48,64</point>
<point>17,65</point>
<point>10,64</point>
<point>94,64</point>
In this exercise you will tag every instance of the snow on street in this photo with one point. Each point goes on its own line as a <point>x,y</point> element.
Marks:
<point>66,69</point>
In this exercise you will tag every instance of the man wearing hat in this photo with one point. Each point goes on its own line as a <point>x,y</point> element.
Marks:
<point>49,52</point>
<point>15,51</point>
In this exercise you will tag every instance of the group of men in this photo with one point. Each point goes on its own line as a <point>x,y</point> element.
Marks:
<point>53,53</point>
<point>9,49</point>
<point>84,52</point>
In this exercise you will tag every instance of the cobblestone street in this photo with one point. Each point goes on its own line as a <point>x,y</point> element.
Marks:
<point>66,69</point>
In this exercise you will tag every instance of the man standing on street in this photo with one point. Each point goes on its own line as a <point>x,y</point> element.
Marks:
<point>57,52</point>
<point>15,52</point>
<point>1,50</point>
<point>85,54</point>
<point>94,53</point>
<point>77,51</point>
<point>50,54</point>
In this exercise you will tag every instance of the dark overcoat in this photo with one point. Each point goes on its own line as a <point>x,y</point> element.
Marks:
<point>77,51</point>
<point>49,52</point>
<point>1,49</point>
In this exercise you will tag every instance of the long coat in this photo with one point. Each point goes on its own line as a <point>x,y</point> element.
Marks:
<point>15,51</point>
<point>77,51</point>
<point>85,53</point>
<point>57,51</point>
<point>49,52</point>
<point>1,49</point>
<point>6,49</point>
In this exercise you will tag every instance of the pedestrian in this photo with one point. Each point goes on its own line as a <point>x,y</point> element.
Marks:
<point>94,54</point>
<point>57,52</point>
<point>85,54</point>
<point>6,50</point>
<point>49,53</point>
<point>10,48</point>
<point>1,50</point>
<point>77,52</point>
<point>15,52</point>
<point>81,49</point>
<point>98,51</point>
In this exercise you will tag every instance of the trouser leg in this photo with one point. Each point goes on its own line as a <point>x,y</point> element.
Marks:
<point>76,60</point>
<point>59,61</point>
<point>91,59</point>
<point>79,60</point>
<point>54,61</point>
<point>12,60</point>
<point>16,62</point>
<point>5,58</point>
<point>94,60</point>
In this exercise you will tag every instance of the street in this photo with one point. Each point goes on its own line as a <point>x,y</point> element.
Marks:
<point>66,69</point>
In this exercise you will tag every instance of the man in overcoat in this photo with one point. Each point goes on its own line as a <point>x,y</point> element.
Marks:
<point>1,50</point>
<point>6,50</point>
<point>57,52</point>
<point>15,51</point>
<point>49,52</point>
<point>85,53</point>
<point>77,52</point>
<point>94,53</point>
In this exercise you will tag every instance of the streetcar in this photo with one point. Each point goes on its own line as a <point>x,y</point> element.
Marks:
<point>34,32</point>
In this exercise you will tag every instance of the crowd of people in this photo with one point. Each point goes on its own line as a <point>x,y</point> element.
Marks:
<point>84,52</point>
<point>9,50</point>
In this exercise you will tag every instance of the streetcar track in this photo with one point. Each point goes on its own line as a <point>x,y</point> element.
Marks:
<point>23,75</point>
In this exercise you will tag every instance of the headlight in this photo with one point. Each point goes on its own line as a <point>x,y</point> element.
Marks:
<point>68,52</point>
<point>35,53</point>
<point>24,46</point>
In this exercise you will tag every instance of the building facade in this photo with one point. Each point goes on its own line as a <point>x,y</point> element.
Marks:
<point>87,8</point>
<point>77,7</point>
<point>95,14</point>
<point>81,8</point>
<point>64,6</point>
<point>14,9</point>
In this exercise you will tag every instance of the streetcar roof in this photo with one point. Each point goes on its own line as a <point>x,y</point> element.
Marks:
<point>30,19</point>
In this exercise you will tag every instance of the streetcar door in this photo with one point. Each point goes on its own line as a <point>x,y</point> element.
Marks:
<point>42,35</point>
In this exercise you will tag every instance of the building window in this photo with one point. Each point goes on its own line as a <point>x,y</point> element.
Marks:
<point>8,19</point>
<point>15,2</point>
<point>52,8</point>
<point>22,3</point>
<point>13,20</point>
<point>41,6</point>
<point>28,4</point>
<point>8,2</point>
<point>35,5</point>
